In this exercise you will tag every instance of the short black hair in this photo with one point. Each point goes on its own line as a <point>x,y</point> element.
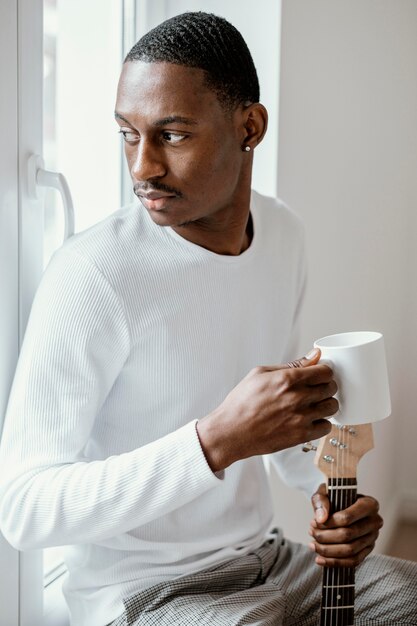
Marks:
<point>208,42</point>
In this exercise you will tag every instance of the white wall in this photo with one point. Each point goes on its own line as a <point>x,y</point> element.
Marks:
<point>347,164</point>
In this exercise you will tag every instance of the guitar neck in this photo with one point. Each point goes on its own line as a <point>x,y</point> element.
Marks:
<point>337,457</point>
<point>338,589</point>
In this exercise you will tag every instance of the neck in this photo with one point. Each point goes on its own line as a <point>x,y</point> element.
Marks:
<point>228,232</point>
<point>229,229</point>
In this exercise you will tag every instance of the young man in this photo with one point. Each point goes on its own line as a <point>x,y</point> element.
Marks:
<point>146,390</point>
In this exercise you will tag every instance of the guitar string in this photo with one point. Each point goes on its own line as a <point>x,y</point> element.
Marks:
<point>346,503</point>
<point>327,575</point>
<point>338,491</point>
<point>330,571</point>
<point>324,602</point>
<point>326,572</point>
<point>333,505</point>
<point>337,508</point>
<point>352,569</point>
<point>333,500</point>
<point>341,590</point>
<point>340,459</point>
<point>334,509</point>
<point>343,497</point>
<point>339,498</point>
<point>345,483</point>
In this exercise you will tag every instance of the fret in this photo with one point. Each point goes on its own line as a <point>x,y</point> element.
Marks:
<point>339,487</point>
<point>338,595</point>
<point>342,480</point>
<point>336,616</point>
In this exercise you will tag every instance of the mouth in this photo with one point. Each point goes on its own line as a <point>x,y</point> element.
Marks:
<point>156,201</point>
<point>155,195</point>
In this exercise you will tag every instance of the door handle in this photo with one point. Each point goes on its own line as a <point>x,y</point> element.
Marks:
<point>38,177</point>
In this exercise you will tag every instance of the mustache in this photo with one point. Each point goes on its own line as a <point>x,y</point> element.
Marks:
<point>139,189</point>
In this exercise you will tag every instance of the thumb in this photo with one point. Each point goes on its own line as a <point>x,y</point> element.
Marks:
<point>311,358</point>
<point>321,504</point>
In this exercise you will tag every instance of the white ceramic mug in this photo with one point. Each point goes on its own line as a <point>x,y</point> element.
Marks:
<point>360,370</point>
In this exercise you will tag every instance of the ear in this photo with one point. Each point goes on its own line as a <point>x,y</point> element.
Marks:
<point>254,124</point>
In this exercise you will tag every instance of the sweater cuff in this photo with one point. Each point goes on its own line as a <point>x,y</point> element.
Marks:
<point>205,467</point>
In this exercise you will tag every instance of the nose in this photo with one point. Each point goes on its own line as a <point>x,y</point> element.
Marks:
<point>147,162</point>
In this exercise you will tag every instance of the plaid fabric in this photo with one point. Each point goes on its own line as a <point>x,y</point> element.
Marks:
<point>277,585</point>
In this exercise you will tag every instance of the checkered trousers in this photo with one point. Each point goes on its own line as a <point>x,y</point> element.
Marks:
<point>277,585</point>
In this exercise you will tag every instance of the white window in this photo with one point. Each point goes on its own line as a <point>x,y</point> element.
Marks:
<point>59,65</point>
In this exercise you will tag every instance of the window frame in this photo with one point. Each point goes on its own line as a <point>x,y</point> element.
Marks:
<point>19,71</point>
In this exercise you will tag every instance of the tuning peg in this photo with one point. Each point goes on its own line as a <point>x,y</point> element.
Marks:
<point>349,429</point>
<point>338,444</point>
<point>308,447</point>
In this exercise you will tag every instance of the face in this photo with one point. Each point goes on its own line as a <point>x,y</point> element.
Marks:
<point>183,150</point>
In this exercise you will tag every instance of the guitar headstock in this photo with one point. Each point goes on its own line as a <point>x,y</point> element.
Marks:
<point>339,452</point>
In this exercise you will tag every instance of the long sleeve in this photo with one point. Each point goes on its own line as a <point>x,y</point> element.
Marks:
<point>76,343</point>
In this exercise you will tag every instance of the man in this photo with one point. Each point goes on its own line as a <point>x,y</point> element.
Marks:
<point>146,391</point>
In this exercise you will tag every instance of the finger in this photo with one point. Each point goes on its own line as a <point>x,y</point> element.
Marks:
<point>318,429</point>
<point>364,507</point>
<point>323,535</point>
<point>312,358</point>
<point>308,400</point>
<point>351,562</point>
<point>309,376</point>
<point>323,409</point>
<point>311,397</point>
<point>318,393</point>
<point>344,550</point>
<point>314,375</point>
<point>350,555</point>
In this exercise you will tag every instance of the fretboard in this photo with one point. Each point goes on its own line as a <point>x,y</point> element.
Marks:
<point>338,593</point>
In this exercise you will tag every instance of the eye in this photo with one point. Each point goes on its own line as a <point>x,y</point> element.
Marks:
<point>172,138</point>
<point>129,135</point>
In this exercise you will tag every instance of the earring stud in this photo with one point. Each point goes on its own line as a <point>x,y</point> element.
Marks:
<point>246,148</point>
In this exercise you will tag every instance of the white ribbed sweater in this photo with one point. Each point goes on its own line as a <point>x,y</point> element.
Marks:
<point>134,334</point>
